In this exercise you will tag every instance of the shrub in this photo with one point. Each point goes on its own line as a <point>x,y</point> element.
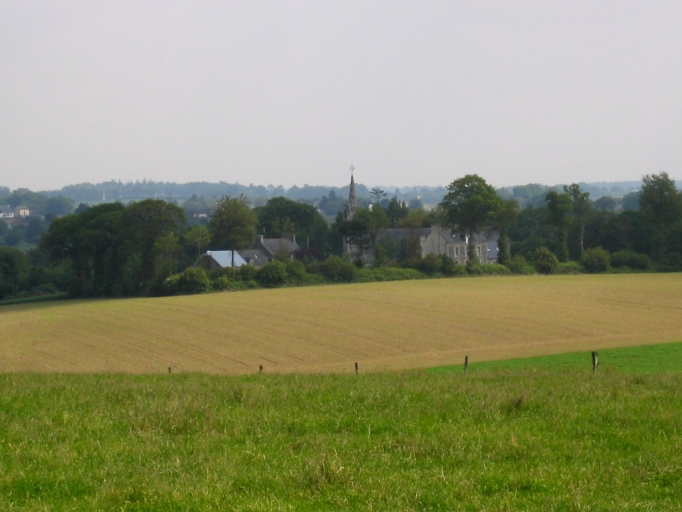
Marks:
<point>193,280</point>
<point>170,285</point>
<point>570,267</point>
<point>517,264</point>
<point>431,263</point>
<point>296,269</point>
<point>313,267</point>
<point>306,280</point>
<point>545,260</point>
<point>596,260</point>
<point>396,274</point>
<point>364,275</point>
<point>247,272</point>
<point>230,272</point>
<point>671,262</point>
<point>629,258</point>
<point>272,274</point>
<point>474,269</point>
<point>235,286</point>
<point>448,266</point>
<point>220,283</point>
<point>494,269</point>
<point>338,270</point>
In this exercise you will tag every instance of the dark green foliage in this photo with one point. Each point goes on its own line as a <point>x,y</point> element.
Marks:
<point>632,259</point>
<point>493,269</point>
<point>505,218</point>
<point>558,208</point>
<point>296,269</point>
<point>193,280</point>
<point>14,267</point>
<point>519,265</point>
<point>471,204</point>
<point>661,205</point>
<point>247,272</point>
<point>596,260</point>
<point>15,236</point>
<point>431,264</point>
<point>448,266</point>
<point>338,270</point>
<point>272,274</point>
<point>281,217</point>
<point>545,260</point>
<point>233,224</point>
<point>396,211</point>
<point>35,228</point>
<point>570,267</point>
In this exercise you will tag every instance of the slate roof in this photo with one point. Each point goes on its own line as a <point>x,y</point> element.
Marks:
<point>224,258</point>
<point>255,257</point>
<point>399,234</point>
<point>272,245</point>
<point>5,210</point>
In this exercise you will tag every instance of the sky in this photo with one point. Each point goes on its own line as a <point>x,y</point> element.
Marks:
<point>295,92</point>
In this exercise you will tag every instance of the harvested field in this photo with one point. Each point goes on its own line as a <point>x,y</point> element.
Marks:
<point>327,328</point>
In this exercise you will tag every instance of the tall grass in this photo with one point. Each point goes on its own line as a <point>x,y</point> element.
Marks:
<point>505,440</point>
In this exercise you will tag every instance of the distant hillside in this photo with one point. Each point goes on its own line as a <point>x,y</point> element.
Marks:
<point>132,191</point>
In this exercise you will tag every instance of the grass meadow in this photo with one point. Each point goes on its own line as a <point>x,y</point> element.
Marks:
<point>529,438</point>
<point>90,418</point>
<point>383,326</point>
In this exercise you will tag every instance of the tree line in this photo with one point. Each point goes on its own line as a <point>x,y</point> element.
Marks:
<point>116,250</point>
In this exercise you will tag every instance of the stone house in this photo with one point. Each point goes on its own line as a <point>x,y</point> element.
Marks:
<point>439,240</point>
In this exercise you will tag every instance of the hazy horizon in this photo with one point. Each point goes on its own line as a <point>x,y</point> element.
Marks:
<point>295,92</point>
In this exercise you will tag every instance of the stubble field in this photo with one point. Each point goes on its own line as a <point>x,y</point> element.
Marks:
<point>383,326</point>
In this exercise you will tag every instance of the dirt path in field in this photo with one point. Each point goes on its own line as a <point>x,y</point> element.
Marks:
<point>328,328</point>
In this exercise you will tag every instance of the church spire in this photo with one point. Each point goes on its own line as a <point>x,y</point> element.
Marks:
<point>352,205</point>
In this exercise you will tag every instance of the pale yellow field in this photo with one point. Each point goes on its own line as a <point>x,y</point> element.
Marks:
<point>328,328</point>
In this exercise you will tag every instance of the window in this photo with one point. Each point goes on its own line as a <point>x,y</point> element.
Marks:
<point>478,251</point>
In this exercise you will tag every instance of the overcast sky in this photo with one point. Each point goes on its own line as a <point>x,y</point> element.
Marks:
<point>294,92</point>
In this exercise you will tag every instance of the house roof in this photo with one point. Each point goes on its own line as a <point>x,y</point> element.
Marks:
<point>272,245</point>
<point>6,209</point>
<point>255,257</point>
<point>224,258</point>
<point>399,234</point>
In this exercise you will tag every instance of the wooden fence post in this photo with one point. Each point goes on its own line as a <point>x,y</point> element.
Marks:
<point>466,365</point>
<point>169,369</point>
<point>595,362</point>
<point>260,369</point>
<point>357,369</point>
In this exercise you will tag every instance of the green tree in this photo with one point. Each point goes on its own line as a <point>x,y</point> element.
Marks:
<point>35,228</point>
<point>281,217</point>
<point>168,247</point>
<point>377,194</point>
<point>581,209</point>
<point>143,224</point>
<point>506,216</point>
<point>198,236</point>
<point>233,224</point>
<point>471,204</point>
<point>558,208</point>
<point>14,265</point>
<point>396,211</point>
<point>661,206</point>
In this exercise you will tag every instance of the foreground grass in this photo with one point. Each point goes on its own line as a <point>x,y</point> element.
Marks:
<point>662,358</point>
<point>503,440</point>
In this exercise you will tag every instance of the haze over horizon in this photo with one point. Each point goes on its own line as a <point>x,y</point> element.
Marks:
<point>294,92</point>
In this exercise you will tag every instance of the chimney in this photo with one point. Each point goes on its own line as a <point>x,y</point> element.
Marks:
<point>292,238</point>
<point>259,240</point>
